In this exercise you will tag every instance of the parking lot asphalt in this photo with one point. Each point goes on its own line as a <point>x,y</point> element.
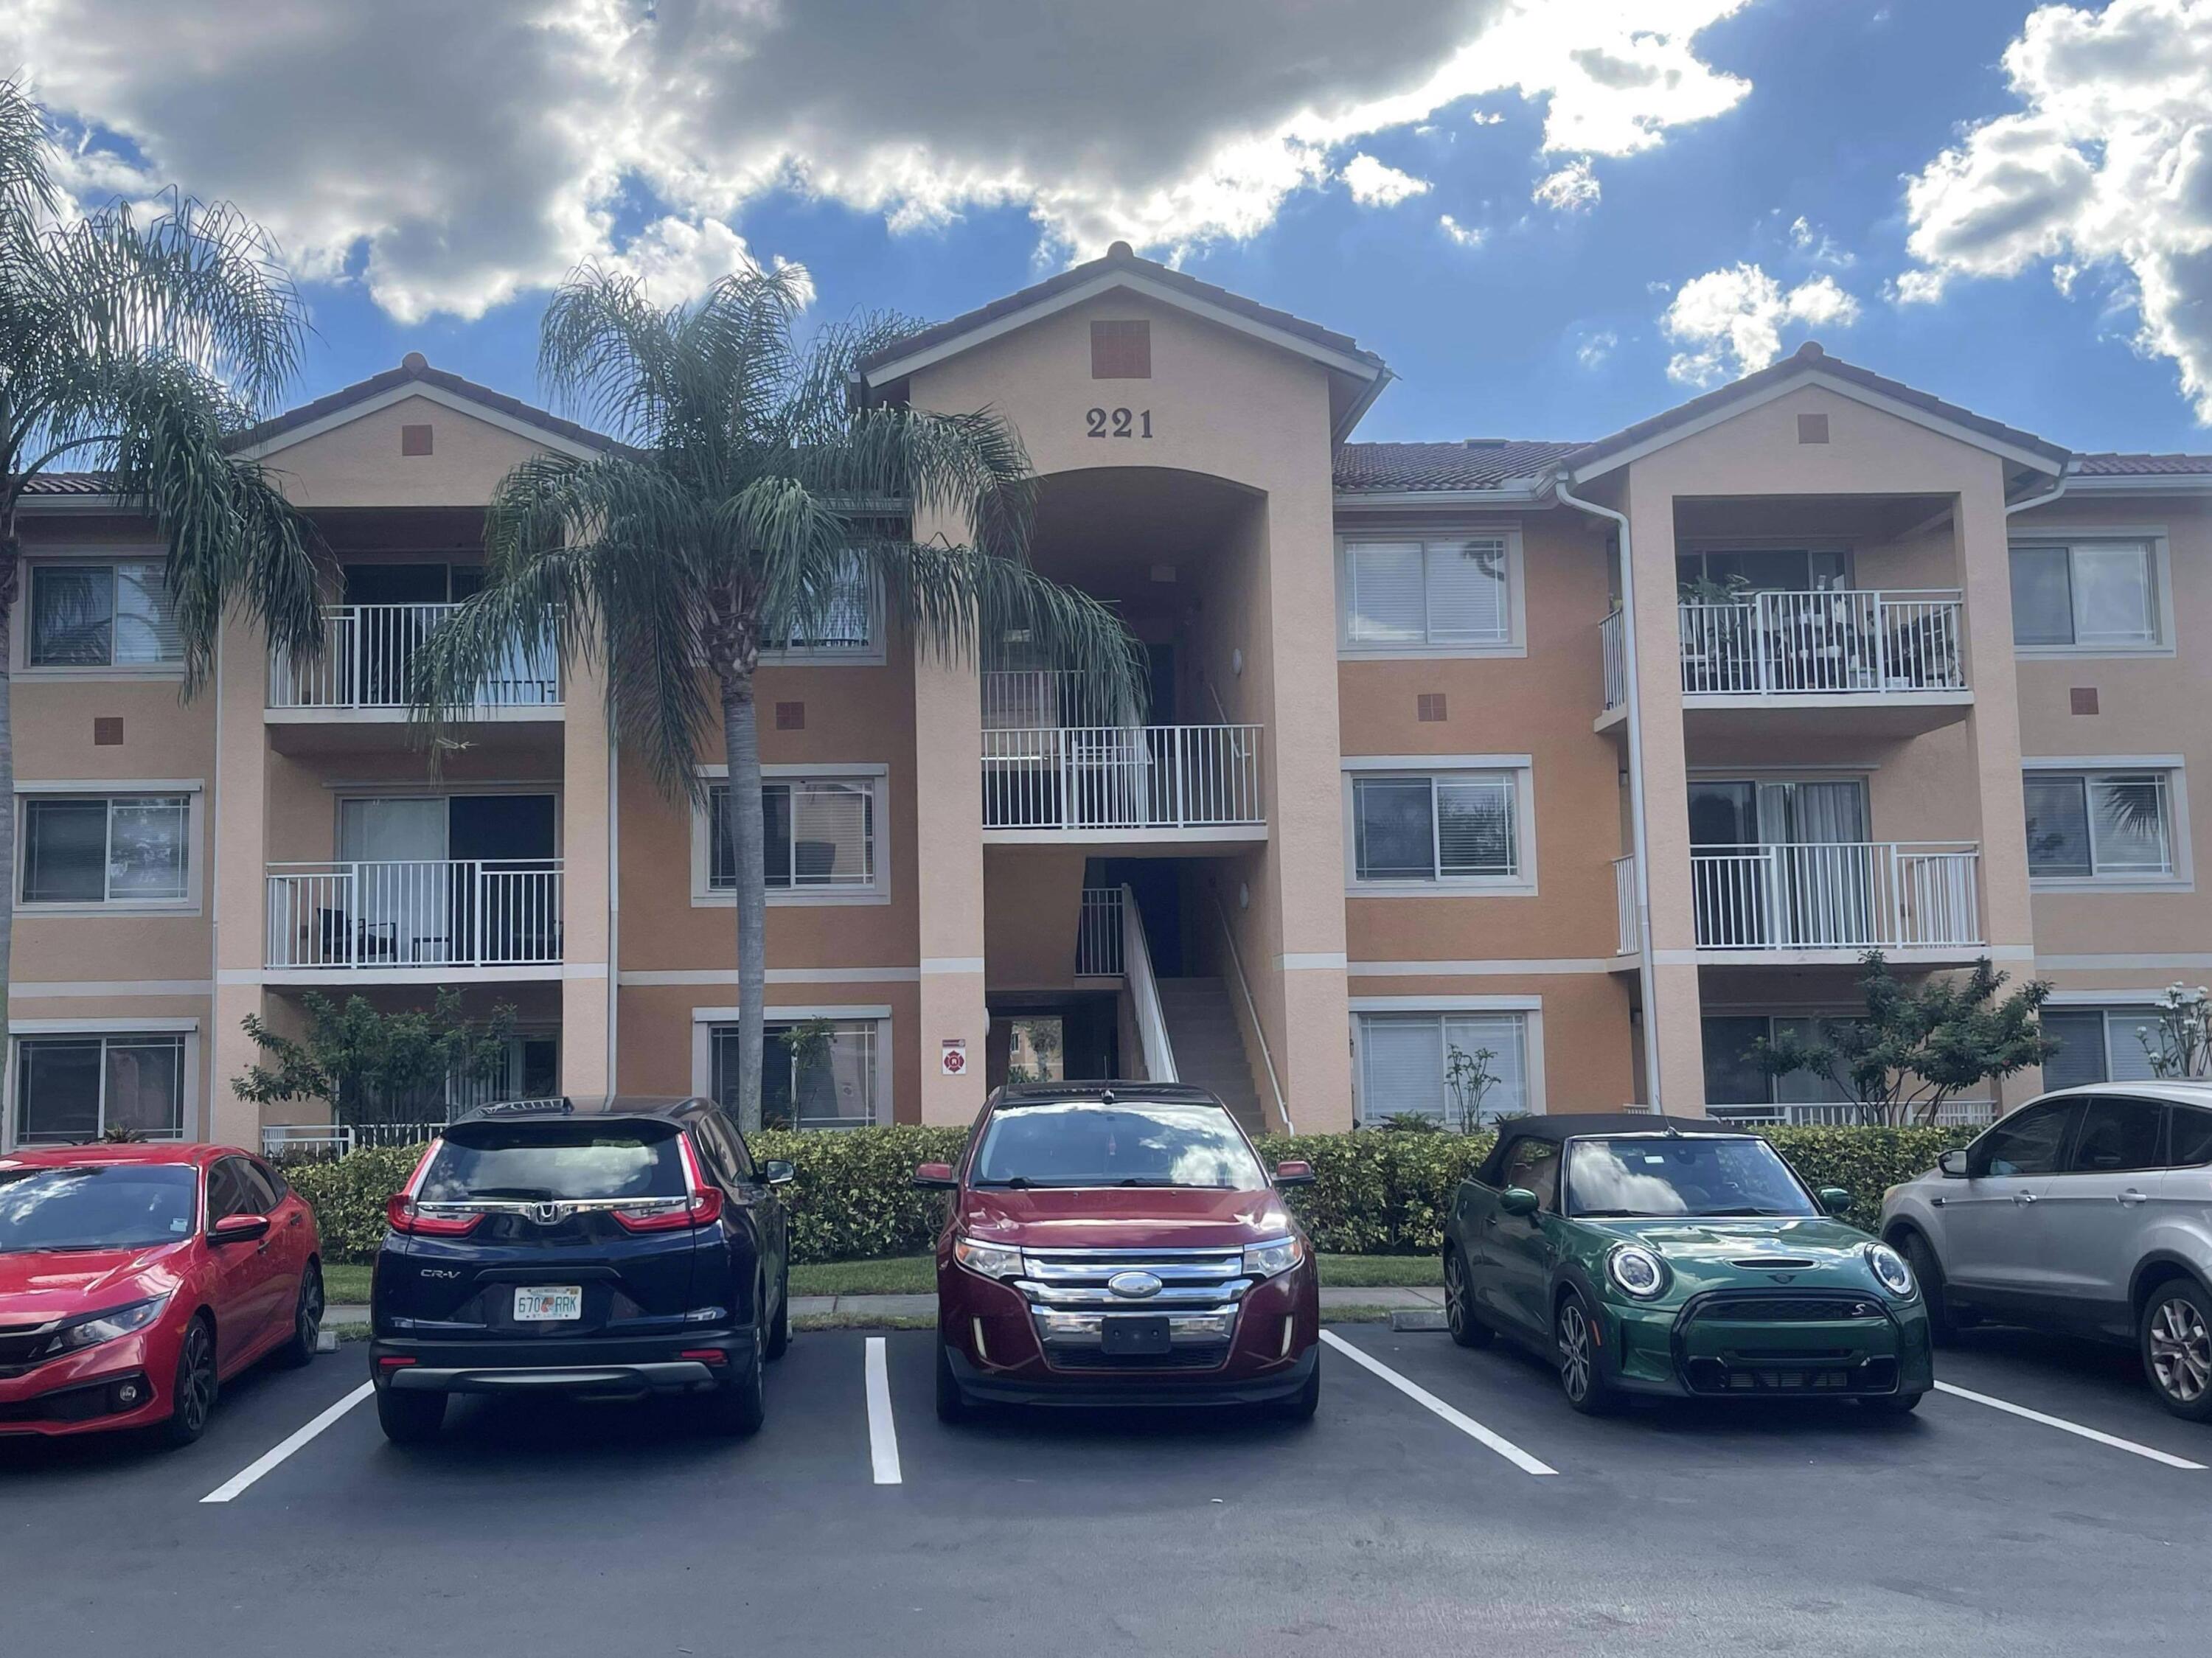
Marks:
<point>1414,1515</point>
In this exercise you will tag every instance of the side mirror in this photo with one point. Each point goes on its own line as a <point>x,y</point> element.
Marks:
<point>1294,1171</point>
<point>1517,1200</point>
<point>1952,1165</point>
<point>776,1172</point>
<point>936,1177</point>
<point>239,1228</point>
<point>1835,1199</point>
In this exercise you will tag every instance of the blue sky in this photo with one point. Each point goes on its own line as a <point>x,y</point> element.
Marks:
<point>1512,316</point>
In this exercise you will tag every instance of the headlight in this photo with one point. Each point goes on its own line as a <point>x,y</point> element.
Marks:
<point>991,1259</point>
<point>1636,1271</point>
<point>1276,1255</point>
<point>104,1327</point>
<point>1890,1268</point>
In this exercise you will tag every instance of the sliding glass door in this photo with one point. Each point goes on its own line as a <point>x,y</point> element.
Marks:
<point>1780,864</point>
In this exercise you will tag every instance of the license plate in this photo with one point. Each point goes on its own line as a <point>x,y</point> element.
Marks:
<point>1133,1335</point>
<point>549,1303</point>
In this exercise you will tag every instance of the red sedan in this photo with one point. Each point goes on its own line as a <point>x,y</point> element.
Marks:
<point>135,1278</point>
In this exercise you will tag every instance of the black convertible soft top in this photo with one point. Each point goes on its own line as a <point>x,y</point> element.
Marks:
<point>1576,1126</point>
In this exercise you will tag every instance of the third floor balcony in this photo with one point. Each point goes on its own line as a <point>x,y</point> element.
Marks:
<point>366,669</point>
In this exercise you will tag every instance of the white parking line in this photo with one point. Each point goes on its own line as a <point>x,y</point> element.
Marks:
<point>882,1432</point>
<point>2064,1427</point>
<point>268,1460</point>
<point>1421,1396</point>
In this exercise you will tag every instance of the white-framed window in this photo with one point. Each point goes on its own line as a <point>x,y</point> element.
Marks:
<point>2089,594</point>
<point>1734,1083</point>
<point>2094,824</point>
<point>847,629</point>
<point>1449,823</point>
<point>824,830</point>
<point>71,1086</point>
<point>106,851</point>
<point>1431,595</point>
<point>1433,1062</point>
<point>2096,1045</point>
<point>86,615</point>
<point>821,1067</point>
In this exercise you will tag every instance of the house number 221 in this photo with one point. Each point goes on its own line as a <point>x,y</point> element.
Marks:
<point>1119,422</point>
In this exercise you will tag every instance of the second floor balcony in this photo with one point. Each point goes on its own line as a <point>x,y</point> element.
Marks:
<point>1829,647</point>
<point>1847,896</point>
<point>367,664</point>
<point>401,917</point>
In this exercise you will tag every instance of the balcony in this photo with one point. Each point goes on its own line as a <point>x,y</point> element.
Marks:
<point>368,659</point>
<point>1841,897</point>
<point>1054,769</point>
<point>1897,654</point>
<point>414,921</point>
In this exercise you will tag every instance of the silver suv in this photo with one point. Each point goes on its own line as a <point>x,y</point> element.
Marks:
<point>2087,1211</point>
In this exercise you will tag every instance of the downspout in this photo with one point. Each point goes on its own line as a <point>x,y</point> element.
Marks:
<point>2065,476</point>
<point>1647,979</point>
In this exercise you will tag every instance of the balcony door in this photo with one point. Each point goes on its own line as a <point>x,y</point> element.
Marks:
<point>1781,865</point>
<point>441,879</point>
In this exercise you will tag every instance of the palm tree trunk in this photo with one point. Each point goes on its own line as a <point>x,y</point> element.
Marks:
<point>748,847</point>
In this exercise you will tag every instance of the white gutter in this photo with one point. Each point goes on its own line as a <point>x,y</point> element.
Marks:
<point>2066,475</point>
<point>1647,978</point>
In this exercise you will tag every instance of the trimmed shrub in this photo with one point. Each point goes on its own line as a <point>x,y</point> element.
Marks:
<point>1373,1193</point>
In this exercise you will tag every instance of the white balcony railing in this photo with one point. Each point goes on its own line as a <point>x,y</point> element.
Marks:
<point>368,658</point>
<point>1829,1113</point>
<point>1021,698</point>
<point>368,916</point>
<point>1853,895</point>
<point>1122,777</point>
<point>1842,641</point>
<point>1098,934</point>
<point>1615,649</point>
<point>1630,936</point>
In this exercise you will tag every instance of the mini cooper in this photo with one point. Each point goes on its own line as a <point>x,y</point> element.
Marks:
<point>1645,1256</point>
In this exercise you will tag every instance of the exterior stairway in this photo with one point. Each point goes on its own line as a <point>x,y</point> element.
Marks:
<point>1209,1052</point>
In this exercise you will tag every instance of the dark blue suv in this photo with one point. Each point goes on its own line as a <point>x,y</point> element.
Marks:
<point>608,1248</point>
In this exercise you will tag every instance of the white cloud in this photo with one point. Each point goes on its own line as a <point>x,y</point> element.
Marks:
<point>1729,322</point>
<point>1808,240</point>
<point>1572,189</point>
<point>1375,184</point>
<point>1462,235</point>
<point>1596,348</point>
<point>2108,160</point>
<point>449,157</point>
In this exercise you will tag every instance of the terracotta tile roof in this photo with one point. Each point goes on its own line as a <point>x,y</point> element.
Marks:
<point>1119,257</point>
<point>1469,464</point>
<point>2108,465</point>
<point>68,483</point>
<point>1809,356</point>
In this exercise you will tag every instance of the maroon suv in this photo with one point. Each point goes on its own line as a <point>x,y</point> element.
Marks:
<point>1120,1243</point>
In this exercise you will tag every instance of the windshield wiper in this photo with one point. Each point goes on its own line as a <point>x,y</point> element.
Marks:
<point>1018,1182</point>
<point>1717,1214</point>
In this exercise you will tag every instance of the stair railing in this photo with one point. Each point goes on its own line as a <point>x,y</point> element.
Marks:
<point>1144,994</point>
<point>1259,1030</point>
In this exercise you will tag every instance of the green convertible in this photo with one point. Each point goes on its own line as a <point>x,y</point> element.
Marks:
<point>1648,1256</point>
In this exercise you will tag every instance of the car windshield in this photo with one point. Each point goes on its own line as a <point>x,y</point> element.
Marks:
<point>541,1161</point>
<point>1126,1144</point>
<point>1655,1176</point>
<point>97,1206</point>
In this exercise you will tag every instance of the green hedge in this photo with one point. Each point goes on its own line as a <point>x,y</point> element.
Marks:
<point>1373,1194</point>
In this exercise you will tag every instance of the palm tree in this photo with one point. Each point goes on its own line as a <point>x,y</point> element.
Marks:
<point>749,491</point>
<point>138,344</point>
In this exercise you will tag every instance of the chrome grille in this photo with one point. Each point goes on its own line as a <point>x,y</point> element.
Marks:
<point>1071,1304</point>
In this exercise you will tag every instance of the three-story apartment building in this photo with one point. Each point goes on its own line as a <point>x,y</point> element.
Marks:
<point>1583,762</point>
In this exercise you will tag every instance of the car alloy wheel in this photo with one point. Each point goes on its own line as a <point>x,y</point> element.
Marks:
<point>193,1402</point>
<point>1466,1328</point>
<point>2180,1351</point>
<point>307,1322</point>
<point>1576,1357</point>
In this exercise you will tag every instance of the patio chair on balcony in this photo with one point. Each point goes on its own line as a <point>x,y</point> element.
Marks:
<point>343,942</point>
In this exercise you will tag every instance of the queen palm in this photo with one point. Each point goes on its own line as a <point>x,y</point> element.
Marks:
<point>748,492</point>
<point>137,345</point>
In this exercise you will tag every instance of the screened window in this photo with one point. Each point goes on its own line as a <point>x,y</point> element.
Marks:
<point>94,850</point>
<point>820,834</point>
<point>842,619</point>
<point>102,615</point>
<point>815,1073</point>
<point>1452,826</point>
<point>78,1088</point>
<point>2099,825</point>
<point>2096,1045</point>
<point>1413,593</point>
<point>2085,594</point>
<point>1431,1064</point>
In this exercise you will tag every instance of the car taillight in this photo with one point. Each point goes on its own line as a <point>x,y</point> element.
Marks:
<point>700,1209</point>
<point>405,1215</point>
